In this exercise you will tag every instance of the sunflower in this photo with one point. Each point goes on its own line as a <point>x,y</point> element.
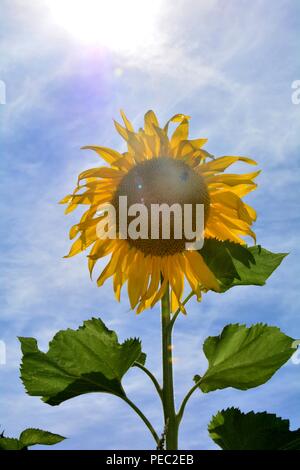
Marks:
<point>157,168</point>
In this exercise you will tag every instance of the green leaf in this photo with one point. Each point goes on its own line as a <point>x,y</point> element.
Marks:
<point>236,265</point>
<point>32,436</point>
<point>142,359</point>
<point>86,360</point>
<point>28,438</point>
<point>233,430</point>
<point>244,357</point>
<point>293,444</point>
<point>7,443</point>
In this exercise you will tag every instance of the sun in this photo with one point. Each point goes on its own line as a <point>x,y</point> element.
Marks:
<point>117,24</point>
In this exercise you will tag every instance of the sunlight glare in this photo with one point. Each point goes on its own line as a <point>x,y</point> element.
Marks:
<point>117,24</point>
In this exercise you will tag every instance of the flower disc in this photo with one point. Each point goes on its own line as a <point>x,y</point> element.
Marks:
<point>163,181</point>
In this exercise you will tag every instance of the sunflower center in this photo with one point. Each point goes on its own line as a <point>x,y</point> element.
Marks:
<point>162,181</point>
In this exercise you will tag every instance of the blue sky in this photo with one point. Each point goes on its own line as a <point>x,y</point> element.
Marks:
<point>227,64</point>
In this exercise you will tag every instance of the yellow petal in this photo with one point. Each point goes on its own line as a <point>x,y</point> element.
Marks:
<point>186,147</point>
<point>88,198</point>
<point>136,146</point>
<point>201,270</point>
<point>163,143</point>
<point>119,280</point>
<point>221,163</point>
<point>176,118</point>
<point>137,280</point>
<point>192,280</point>
<point>176,278</point>
<point>242,190</point>
<point>216,229</point>
<point>110,268</point>
<point>127,123</point>
<point>121,130</point>
<point>102,172</point>
<point>125,163</point>
<point>109,155</point>
<point>74,231</point>
<point>233,223</point>
<point>251,211</point>
<point>66,199</point>
<point>101,248</point>
<point>233,179</point>
<point>83,242</point>
<point>175,304</point>
<point>229,203</point>
<point>150,122</point>
<point>160,292</point>
<point>155,279</point>
<point>181,133</point>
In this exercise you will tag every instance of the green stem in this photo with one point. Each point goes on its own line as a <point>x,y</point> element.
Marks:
<point>143,417</point>
<point>167,392</point>
<point>185,400</point>
<point>171,422</point>
<point>151,376</point>
<point>174,317</point>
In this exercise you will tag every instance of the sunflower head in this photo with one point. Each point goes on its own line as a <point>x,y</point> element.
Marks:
<point>156,170</point>
<point>159,181</point>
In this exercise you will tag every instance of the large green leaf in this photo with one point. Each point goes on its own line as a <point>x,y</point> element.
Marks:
<point>28,438</point>
<point>233,430</point>
<point>243,358</point>
<point>236,265</point>
<point>86,360</point>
